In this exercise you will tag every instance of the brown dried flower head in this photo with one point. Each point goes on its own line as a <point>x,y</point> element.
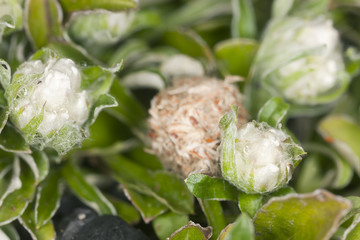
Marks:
<point>184,120</point>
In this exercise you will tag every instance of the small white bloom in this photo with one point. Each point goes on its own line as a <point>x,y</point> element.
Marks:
<point>301,60</point>
<point>255,157</point>
<point>48,92</point>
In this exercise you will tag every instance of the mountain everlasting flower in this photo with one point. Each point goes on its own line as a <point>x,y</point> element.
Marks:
<point>47,103</point>
<point>256,157</point>
<point>300,59</point>
<point>184,121</point>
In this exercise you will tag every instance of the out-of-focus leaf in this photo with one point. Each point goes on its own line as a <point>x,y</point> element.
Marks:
<point>112,5</point>
<point>166,187</point>
<point>47,199</point>
<point>192,231</point>
<point>355,209</point>
<point>11,18</point>
<point>167,223</point>
<point>194,11</point>
<point>243,23</point>
<point>125,210</point>
<point>144,79</point>
<point>43,21</point>
<point>147,205</point>
<point>301,216</point>
<point>86,192</point>
<point>42,164</point>
<point>12,141</point>
<point>9,232</point>
<point>242,228</point>
<point>16,202</point>
<point>45,232</point>
<point>353,232</point>
<point>235,56</point>
<point>250,203</point>
<point>344,134</point>
<point>72,51</point>
<point>273,112</point>
<point>315,172</point>
<point>127,52</point>
<point>145,159</point>
<point>128,109</point>
<point>214,215</point>
<point>189,43</point>
<point>211,188</point>
<point>10,177</point>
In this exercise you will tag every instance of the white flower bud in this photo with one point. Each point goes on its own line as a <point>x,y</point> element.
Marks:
<point>11,15</point>
<point>100,27</point>
<point>181,65</point>
<point>184,121</point>
<point>255,157</point>
<point>301,60</point>
<point>47,104</point>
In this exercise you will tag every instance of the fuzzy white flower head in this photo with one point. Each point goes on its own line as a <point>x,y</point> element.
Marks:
<point>45,99</point>
<point>302,60</point>
<point>256,158</point>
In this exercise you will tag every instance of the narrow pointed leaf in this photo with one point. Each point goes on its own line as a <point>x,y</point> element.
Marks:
<point>353,232</point>
<point>250,203</point>
<point>86,192</point>
<point>211,188</point>
<point>214,215</point>
<point>16,202</point>
<point>47,199</point>
<point>301,216</point>
<point>166,187</point>
<point>125,210</point>
<point>242,228</point>
<point>244,22</point>
<point>167,223</point>
<point>273,112</point>
<point>43,21</point>
<point>112,5</point>
<point>192,231</point>
<point>148,206</point>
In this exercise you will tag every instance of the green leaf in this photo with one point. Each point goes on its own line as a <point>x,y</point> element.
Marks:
<point>45,232</point>
<point>214,215</point>
<point>167,223</point>
<point>250,203</point>
<point>12,141</point>
<point>211,188</point>
<point>10,232</point>
<point>47,199</point>
<point>242,228</point>
<point>112,5</point>
<point>43,21</point>
<point>353,232</point>
<point>166,187</point>
<point>32,126</point>
<point>273,112</point>
<point>125,210</point>
<point>189,43</point>
<point>355,209</point>
<point>16,202</point>
<point>148,206</point>
<point>10,180</point>
<point>191,231</point>
<point>128,110</point>
<point>301,216</point>
<point>235,56</point>
<point>86,192</point>
<point>344,135</point>
<point>244,22</point>
<point>145,159</point>
<point>104,101</point>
